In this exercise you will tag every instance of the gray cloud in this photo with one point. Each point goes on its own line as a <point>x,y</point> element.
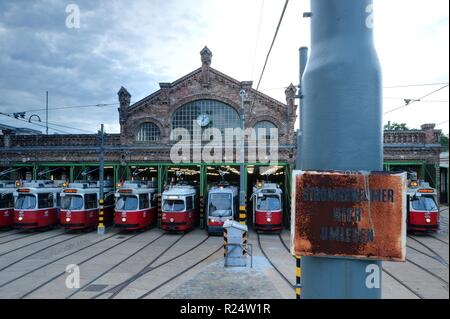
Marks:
<point>118,43</point>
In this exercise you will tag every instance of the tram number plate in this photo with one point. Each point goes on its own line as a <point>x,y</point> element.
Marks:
<point>349,214</point>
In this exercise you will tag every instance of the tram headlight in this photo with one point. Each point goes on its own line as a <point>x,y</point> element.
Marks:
<point>67,219</point>
<point>269,220</point>
<point>20,218</point>
<point>124,220</point>
<point>212,220</point>
<point>172,220</point>
<point>428,220</point>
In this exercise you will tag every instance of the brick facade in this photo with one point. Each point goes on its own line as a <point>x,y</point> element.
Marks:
<point>158,108</point>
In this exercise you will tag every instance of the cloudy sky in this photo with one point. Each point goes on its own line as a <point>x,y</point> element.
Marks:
<point>139,43</point>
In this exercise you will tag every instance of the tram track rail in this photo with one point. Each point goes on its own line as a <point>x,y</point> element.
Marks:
<point>113,267</point>
<point>272,264</point>
<point>427,271</point>
<point>18,238</point>
<point>403,284</point>
<point>179,274</point>
<point>439,239</point>
<point>55,260</point>
<point>78,264</point>
<point>121,286</point>
<point>119,289</point>
<point>36,252</point>
<point>443,261</point>
<point>28,245</point>
<point>410,261</point>
<point>284,244</point>
<point>425,254</point>
<point>9,233</point>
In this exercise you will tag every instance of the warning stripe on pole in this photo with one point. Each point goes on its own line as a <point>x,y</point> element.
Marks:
<point>244,243</point>
<point>298,275</point>
<point>225,242</point>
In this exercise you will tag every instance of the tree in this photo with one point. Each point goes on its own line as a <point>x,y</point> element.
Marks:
<point>444,142</point>
<point>397,127</point>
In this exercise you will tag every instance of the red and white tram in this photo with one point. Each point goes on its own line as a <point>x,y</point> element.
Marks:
<point>267,207</point>
<point>7,189</point>
<point>179,208</point>
<point>37,204</point>
<point>80,205</point>
<point>422,208</point>
<point>223,201</point>
<point>135,205</point>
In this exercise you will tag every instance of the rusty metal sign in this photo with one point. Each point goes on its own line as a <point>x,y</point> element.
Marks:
<point>349,214</point>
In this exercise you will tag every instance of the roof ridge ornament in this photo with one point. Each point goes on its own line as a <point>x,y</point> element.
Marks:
<point>206,57</point>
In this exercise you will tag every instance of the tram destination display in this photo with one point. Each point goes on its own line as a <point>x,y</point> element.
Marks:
<point>349,214</point>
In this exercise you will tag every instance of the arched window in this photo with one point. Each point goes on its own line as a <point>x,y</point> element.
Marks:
<point>214,113</point>
<point>148,132</point>
<point>264,127</point>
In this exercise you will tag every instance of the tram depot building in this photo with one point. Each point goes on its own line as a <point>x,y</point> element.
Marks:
<point>142,148</point>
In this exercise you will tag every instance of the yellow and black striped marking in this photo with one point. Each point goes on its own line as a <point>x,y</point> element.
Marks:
<point>225,242</point>
<point>242,214</point>
<point>298,275</point>
<point>101,213</point>
<point>244,243</point>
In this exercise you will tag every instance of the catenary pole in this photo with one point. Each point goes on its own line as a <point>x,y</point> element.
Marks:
<point>342,125</point>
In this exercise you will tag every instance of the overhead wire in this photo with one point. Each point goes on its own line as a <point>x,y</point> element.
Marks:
<point>273,41</point>
<point>411,101</point>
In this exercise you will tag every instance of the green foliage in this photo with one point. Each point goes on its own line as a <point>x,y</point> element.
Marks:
<point>444,142</point>
<point>397,127</point>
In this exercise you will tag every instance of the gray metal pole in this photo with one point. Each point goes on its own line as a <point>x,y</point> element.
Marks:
<point>46,112</point>
<point>101,216</point>
<point>303,54</point>
<point>102,162</point>
<point>242,190</point>
<point>342,125</point>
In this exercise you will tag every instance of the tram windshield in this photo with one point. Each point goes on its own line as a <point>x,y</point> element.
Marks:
<point>424,203</point>
<point>72,202</point>
<point>268,203</point>
<point>127,202</point>
<point>25,201</point>
<point>173,205</point>
<point>220,205</point>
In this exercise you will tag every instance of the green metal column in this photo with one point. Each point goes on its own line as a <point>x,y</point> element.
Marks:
<point>71,173</point>
<point>35,168</point>
<point>287,195</point>
<point>203,182</point>
<point>160,181</point>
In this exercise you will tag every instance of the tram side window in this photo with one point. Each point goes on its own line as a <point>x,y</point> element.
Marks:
<point>152,200</point>
<point>90,201</point>
<point>45,200</point>
<point>189,203</point>
<point>58,200</point>
<point>143,201</point>
<point>6,200</point>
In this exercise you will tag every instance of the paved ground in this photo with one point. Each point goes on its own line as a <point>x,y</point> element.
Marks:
<point>152,264</point>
